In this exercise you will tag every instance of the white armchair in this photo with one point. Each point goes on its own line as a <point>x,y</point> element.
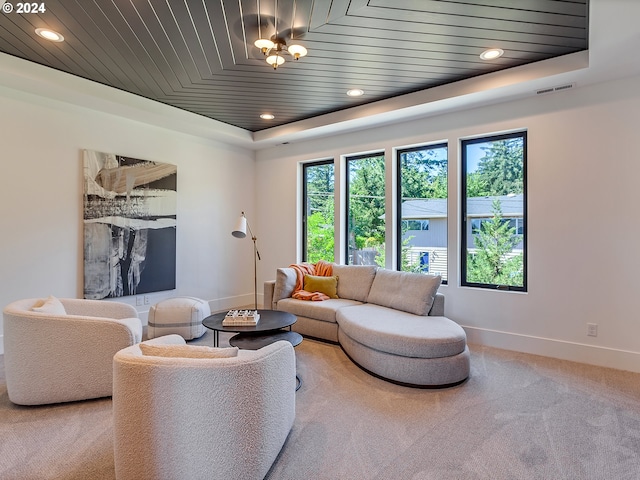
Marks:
<point>201,418</point>
<point>65,356</point>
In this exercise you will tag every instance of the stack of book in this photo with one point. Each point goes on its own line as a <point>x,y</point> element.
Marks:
<point>235,318</point>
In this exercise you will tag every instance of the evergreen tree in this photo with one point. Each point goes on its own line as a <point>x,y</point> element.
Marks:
<point>500,171</point>
<point>491,263</point>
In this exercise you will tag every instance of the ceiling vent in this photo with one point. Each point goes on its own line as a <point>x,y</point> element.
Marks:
<point>559,88</point>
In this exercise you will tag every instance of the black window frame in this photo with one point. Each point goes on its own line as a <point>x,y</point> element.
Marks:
<point>347,191</point>
<point>399,153</point>
<point>304,219</point>
<point>463,210</point>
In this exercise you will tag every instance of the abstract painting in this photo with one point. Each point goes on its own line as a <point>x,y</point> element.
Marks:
<point>129,225</point>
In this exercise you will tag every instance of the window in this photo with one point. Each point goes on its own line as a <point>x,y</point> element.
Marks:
<point>318,212</point>
<point>422,216</point>
<point>494,212</point>
<point>419,225</point>
<point>365,210</point>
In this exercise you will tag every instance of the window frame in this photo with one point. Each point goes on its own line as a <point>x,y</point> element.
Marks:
<point>399,152</point>
<point>304,219</point>
<point>464,221</point>
<point>347,192</point>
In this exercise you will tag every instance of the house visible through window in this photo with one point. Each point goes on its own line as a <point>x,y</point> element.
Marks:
<point>494,212</point>
<point>422,205</point>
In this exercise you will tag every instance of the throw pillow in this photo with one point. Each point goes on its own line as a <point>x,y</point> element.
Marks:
<point>49,305</point>
<point>285,284</point>
<point>409,292</point>
<point>355,280</point>
<point>187,351</point>
<point>326,285</point>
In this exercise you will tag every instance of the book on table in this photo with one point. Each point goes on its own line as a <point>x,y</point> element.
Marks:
<point>235,318</point>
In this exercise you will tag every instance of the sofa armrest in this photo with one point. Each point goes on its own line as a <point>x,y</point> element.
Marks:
<point>267,301</point>
<point>437,307</point>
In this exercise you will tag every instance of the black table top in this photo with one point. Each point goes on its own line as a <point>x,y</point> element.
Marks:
<point>269,320</point>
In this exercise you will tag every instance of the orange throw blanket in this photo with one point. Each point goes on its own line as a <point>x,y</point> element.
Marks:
<point>321,268</point>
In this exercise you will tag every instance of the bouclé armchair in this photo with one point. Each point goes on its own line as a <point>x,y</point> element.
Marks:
<point>66,355</point>
<point>201,418</point>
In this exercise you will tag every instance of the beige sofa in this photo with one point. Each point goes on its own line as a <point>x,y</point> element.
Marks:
<point>390,323</point>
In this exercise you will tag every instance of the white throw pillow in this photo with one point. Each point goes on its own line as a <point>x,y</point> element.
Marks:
<point>187,351</point>
<point>49,305</point>
<point>286,279</point>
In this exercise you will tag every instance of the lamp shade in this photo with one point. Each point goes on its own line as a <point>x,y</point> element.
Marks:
<point>297,51</point>
<point>264,44</point>
<point>240,231</point>
<point>275,60</point>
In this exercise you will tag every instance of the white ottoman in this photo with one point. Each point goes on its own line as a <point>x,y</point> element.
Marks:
<point>180,315</point>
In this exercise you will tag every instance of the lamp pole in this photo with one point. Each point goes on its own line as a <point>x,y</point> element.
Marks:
<point>256,257</point>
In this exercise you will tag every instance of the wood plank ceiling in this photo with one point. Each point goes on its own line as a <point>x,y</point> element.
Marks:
<point>198,55</point>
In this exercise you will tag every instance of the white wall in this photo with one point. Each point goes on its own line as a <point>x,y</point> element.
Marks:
<point>41,143</point>
<point>583,177</point>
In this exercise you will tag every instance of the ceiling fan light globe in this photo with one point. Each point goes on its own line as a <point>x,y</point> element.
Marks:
<point>264,44</point>
<point>275,61</point>
<point>297,51</point>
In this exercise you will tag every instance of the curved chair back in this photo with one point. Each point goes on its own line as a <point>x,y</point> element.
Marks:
<point>52,358</point>
<point>201,418</point>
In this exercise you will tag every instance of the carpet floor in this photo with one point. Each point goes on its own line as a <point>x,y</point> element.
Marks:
<point>518,416</point>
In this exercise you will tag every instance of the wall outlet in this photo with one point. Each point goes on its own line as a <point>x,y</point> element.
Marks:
<point>138,301</point>
<point>592,329</point>
<point>146,300</point>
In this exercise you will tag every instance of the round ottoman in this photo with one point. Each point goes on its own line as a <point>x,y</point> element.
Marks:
<point>180,315</point>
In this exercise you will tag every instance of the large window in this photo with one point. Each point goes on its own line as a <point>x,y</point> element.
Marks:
<point>318,217</point>
<point>494,212</point>
<point>365,210</point>
<point>422,215</point>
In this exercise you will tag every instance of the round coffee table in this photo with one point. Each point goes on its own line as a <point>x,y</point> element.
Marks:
<point>269,329</point>
<point>257,336</point>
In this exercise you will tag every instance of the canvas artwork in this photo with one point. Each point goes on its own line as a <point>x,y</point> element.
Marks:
<point>129,225</point>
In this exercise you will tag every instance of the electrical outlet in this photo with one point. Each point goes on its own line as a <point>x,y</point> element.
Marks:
<point>146,300</point>
<point>592,329</point>
<point>138,301</point>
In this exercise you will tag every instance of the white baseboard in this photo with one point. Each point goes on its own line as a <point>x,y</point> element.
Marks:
<point>549,347</point>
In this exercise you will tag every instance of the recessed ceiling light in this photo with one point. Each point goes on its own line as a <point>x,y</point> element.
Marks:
<point>492,54</point>
<point>267,116</point>
<point>355,92</point>
<point>49,34</point>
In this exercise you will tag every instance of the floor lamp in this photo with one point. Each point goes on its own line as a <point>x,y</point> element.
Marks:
<point>240,232</point>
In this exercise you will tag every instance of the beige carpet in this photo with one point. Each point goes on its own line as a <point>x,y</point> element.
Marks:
<point>517,417</point>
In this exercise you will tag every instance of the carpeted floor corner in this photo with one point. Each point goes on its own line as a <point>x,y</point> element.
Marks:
<point>518,416</point>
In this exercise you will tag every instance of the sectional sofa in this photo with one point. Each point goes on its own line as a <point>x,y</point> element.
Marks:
<point>390,323</point>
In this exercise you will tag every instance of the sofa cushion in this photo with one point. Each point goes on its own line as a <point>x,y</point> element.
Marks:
<point>187,351</point>
<point>285,283</point>
<point>325,310</point>
<point>326,285</point>
<point>354,281</point>
<point>409,292</point>
<point>50,305</point>
<point>401,333</point>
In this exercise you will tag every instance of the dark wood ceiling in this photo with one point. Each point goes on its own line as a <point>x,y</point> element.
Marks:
<point>198,55</point>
